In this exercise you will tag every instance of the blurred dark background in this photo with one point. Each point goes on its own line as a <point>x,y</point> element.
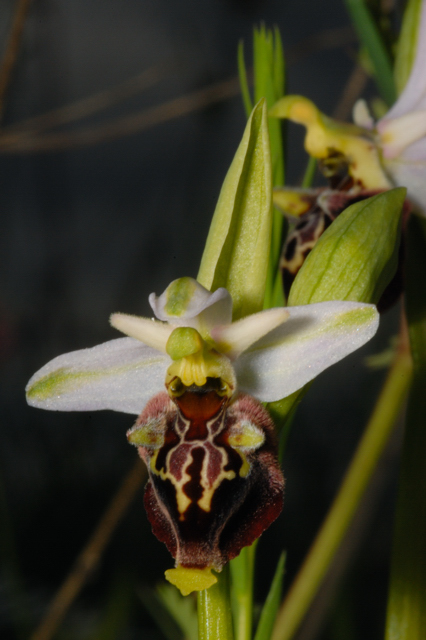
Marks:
<point>92,228</point>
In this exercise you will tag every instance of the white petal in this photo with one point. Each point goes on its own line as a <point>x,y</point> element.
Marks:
<point>409,170</point>
<point>120,374</point>
<point>315,337</point>
<point>361,115</point>
<point>399,133</point>
<point>186,303</point>
<point>413,97</point>
<point>234,338</point>
<point>151,332</point>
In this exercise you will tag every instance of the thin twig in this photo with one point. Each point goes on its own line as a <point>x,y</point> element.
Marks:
<point>121,127</point>
<point>12,48</point>
<point>24,137</point>
<point>321,41</point>
<point>90,105</point>
<point>90,555</point>
<point>353,88</point>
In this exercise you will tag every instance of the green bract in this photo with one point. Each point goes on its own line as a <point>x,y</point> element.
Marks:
<point>268,83</point>
<point>357,256</point>
<point>237,249</point>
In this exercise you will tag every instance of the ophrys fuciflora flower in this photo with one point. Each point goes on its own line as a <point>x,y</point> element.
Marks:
<point>196,380</point>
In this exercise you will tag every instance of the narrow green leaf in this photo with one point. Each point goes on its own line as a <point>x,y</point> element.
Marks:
<point>406,615</point>
<point>238,244</point>
<point>242,73</point>
<point>354,259</point>
<point>369,36</point>
<point>279,64</point>
<point>407,43</point>
<point>182,610</point>
<point>269,80</point>
<point>157,609</point>
<point>272,603</point>
<point>117,610</point>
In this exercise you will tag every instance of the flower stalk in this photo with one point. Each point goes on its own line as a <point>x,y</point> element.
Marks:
<point>214,610</point>
<point>340,516</point>
<point>406,615</point>
<point>242,580</point>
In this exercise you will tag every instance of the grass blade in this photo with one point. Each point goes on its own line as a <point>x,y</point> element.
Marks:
<point>272,603</point>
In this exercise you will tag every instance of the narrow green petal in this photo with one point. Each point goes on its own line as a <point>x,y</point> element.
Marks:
<point>234,338</point>
<point>151,332</point>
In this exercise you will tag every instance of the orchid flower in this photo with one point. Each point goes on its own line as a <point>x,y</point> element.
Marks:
<point>391,152</point>
<point>268,355</point>
<point>402,131</point>
<point>209,445</point>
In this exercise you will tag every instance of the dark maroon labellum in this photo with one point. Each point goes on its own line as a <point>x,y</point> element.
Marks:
<point>214,480</point>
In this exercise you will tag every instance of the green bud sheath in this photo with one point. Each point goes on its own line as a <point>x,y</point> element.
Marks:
<point>357,256</point>
<point>238,245</point>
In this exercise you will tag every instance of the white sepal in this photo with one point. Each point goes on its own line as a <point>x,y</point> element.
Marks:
<point>409,169</point>
<point>413,96</point>
<point>313,338</point>
<point>399,133</point>
<point>121,375</point>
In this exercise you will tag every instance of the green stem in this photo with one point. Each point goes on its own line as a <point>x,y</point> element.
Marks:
<point>345,504</point>
<point>214,610</point>
<point>406,615</point>
<point>242,575</point>
<point>308,178</point>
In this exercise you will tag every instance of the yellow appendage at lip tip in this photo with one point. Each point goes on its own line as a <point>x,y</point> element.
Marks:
<point>188,580</point>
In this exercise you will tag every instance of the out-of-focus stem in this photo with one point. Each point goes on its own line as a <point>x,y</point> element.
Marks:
<point>91,554</point>
<point>406,615</point>
<point>214,610</point>
<point>337,522</point>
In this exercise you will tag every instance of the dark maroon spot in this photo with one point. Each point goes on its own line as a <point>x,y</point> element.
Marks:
<point>290,249</point>
<point>300,225</point>
<point>193,488</point>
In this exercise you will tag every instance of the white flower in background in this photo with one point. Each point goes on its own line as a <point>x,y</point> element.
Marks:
<point>402,131</point>
<point>268,355</point>
<point>391,152</point>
